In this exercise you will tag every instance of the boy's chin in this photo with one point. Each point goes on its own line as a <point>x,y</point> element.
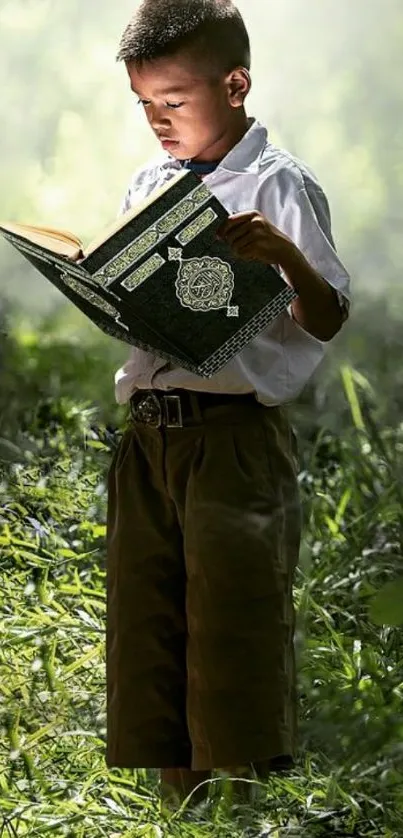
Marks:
<point>179,151</point>
<point>180,154</point>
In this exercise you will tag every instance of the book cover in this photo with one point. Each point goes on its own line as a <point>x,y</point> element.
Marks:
<point>162,281</point>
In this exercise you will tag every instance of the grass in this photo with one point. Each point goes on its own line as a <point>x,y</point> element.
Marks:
<point>54,454</point>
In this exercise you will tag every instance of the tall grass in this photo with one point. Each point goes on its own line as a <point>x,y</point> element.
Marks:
<point>54,455</point>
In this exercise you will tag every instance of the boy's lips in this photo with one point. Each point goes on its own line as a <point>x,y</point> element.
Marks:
<point>167,142</point>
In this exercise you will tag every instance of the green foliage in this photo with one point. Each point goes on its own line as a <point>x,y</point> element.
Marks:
<point>52,772</point>
<point>387,605</point>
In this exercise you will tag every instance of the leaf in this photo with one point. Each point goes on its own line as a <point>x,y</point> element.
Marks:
<point>43,731</point>
<point>93,653</point>
<point>92,443</point>
<point>347,375</point>
<point>345,499</point>
<point>386,606</point>
<point>119,810</point>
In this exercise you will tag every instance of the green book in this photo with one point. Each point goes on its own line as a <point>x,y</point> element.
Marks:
<point>160,279</point>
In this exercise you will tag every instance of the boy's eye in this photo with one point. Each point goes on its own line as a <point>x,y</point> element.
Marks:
<point>172,105</point>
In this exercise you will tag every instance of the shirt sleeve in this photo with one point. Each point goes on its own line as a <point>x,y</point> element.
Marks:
<point>125,204</point>
<point>142,183</point>
<point>304,216</point>
<point>139,186</point>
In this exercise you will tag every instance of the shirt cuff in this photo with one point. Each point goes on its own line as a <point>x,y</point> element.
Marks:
<point>343,302</point>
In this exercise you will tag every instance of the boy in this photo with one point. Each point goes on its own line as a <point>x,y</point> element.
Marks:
<point>203,506</point>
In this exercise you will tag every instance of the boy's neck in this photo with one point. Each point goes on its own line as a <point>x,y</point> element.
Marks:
<point>232,136</point>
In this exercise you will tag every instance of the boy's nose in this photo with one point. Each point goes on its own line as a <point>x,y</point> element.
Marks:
<point>158,120</point>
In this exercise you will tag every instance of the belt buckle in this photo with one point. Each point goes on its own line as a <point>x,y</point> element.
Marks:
<point>148,411</point>
<point>172,411</point>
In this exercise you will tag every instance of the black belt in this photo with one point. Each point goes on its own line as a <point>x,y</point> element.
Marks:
<point>172,408</point>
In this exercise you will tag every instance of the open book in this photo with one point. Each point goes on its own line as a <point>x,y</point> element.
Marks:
<point>159,279</point>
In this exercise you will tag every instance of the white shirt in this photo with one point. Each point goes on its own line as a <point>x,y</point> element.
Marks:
<point>254,175</point>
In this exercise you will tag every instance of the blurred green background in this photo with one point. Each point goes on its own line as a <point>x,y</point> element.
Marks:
<point>327,83</point>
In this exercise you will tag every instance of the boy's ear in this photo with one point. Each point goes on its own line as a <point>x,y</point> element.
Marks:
<point>238,86</point>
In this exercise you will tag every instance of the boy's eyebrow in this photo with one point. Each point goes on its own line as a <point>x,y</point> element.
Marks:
<point>167,91</point>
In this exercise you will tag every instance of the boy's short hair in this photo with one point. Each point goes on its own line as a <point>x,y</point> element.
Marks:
<point>211,30</point>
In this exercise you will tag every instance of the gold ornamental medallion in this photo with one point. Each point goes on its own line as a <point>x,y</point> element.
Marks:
<point>204,284</point>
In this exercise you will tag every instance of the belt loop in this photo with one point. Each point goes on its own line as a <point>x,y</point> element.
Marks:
<point>194,401</point>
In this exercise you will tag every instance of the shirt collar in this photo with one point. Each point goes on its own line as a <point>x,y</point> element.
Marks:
<point>244,157</point>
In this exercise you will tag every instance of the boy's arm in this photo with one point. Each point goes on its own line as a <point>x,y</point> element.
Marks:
<point>319,308</point>
<point>303,249</point>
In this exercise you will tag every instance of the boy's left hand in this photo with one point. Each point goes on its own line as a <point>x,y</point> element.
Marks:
<point>252,236</point>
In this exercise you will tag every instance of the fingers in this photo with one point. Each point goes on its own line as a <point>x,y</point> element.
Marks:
<point>235,221</point>
<point>239,236</point>
<point>250,237</point>
<point>238,218</point>
<point>249,254</point>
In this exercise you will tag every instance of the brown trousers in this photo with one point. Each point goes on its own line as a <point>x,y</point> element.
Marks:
<point>203,536</point>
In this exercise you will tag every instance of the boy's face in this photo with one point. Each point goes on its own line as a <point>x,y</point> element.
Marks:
<point>194,115</point>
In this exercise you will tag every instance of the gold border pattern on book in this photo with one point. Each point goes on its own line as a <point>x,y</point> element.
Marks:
<point>71,276</point>
<point>154,235</point>
<point>92,297</point>
<point>151,266</point>
<point>197,226</point>
<point>256,324</point>
<point>52,259</point>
